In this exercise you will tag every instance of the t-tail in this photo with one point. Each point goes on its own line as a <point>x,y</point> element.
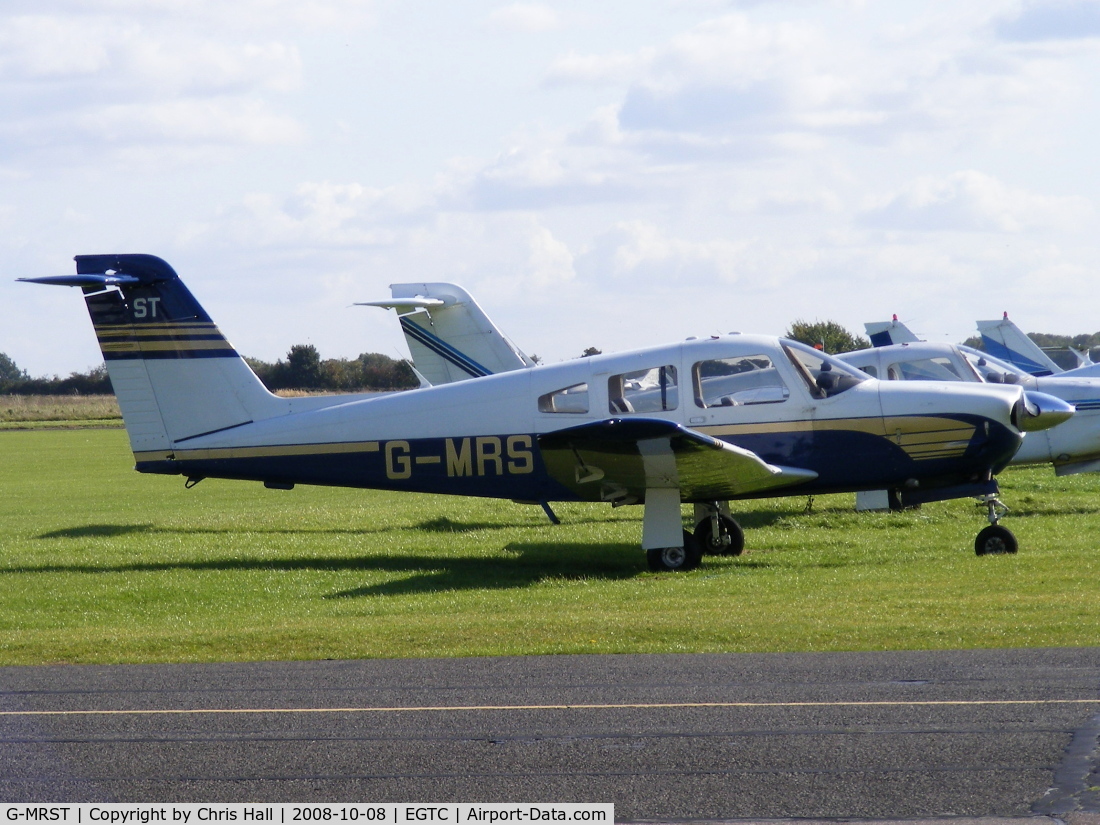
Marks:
<point>449,335</point>
<point>175,375</point>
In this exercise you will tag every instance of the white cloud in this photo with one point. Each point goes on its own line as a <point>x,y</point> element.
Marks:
<point>127,84</point>
<point>641,252</point>
<point>971,201</point>
<point>596,69</point>
<point>211,15</point>
<point>527,18</point>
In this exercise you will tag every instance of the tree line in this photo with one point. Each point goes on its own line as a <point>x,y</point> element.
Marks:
<point>303,369</point>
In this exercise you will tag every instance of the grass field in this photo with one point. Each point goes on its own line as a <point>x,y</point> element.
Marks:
<point>101,564</point>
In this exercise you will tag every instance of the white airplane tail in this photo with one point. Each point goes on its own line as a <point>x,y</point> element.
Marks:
<point>449,336</point>
<point>885,333</point>
<point>1003,339</point>
<point>175,375</point>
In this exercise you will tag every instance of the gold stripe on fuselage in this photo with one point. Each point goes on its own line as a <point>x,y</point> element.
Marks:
<point>921,437</point>
<point>276,451</point>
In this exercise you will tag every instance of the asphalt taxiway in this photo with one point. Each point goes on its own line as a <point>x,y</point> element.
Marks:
<point>1010,733</point>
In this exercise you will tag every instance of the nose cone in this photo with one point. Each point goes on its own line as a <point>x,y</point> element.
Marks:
<point>1039,411</point>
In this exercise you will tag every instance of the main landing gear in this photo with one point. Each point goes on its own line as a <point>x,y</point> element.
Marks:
<point>716,534</point>
<point>675,559</point>
<point>994,540</point>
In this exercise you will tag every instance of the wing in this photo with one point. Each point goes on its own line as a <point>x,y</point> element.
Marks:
<point>617,460</point>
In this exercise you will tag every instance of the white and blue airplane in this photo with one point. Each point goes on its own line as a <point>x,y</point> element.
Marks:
<point>701,421</point>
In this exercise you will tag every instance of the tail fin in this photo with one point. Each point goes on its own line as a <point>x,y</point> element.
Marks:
<point>1003,339</point>
<point>885,333</point>
<point>449,335</point>
<point>175,375</point>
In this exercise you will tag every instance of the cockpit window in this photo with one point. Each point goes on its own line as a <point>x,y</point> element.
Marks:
<point>995,371</point>
<point>825,375</point>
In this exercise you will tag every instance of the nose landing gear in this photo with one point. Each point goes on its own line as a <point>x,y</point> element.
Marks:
<point>716,531</point>
<point>994,540</point>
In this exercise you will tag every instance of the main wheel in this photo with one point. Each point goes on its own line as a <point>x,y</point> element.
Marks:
<point>675,559</point>
<point>995,540</point>
<point>712,545</point>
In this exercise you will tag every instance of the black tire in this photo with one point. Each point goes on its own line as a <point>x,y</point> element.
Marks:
<point>712,546</point>
<point>675,559</point>
<point>995,540</point>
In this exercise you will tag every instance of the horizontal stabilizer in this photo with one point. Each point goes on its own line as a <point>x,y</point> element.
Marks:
<point>619,459</point>
<point>403,305</point>
<point>90,280</point>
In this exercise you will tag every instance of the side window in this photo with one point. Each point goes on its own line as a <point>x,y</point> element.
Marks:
<point>572,399</point>
<point>733,382</point>
<point>643,391</point>
<point>871,371</point>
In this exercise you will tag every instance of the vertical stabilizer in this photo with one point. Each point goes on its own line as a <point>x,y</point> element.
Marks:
<point>449,336</point>
<point>1003,339</point>
<point>886,333</point>
<point>174,373</point>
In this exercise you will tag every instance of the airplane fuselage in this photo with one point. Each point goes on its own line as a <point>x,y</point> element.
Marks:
<point>483,437</point>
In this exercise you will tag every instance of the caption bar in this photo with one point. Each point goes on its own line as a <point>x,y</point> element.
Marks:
<point>261,813</point>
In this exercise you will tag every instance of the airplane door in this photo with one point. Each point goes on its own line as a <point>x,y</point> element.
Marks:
<point>752,399</point>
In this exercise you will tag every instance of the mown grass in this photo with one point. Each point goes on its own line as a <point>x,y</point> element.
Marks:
<point>101,564</point>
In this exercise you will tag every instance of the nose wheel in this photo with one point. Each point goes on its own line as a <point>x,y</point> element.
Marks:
<point>994,540</point>
<point>719,535</point>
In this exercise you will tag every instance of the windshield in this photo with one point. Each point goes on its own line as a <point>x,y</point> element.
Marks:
<point>826,376</point>
<point>995,371</point>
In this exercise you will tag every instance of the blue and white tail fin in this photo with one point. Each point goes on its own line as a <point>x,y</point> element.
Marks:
<point>175,375</point>
<point>1003,339</point>
<point>449,336</point>
<point>885,333</point>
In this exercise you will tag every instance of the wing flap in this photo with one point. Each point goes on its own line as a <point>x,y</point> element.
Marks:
<point>618,459</point>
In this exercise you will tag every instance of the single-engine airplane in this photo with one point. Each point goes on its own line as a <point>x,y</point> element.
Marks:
<point>701,421</point>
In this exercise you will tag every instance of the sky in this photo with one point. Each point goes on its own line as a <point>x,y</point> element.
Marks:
<point>609,175</point>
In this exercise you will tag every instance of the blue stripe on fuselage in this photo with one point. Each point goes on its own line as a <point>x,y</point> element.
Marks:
<point>511,466</point>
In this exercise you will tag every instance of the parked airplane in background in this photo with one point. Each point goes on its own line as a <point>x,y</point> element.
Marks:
<point>700,421</point>
<point>449,336</point>
<point>1004,340</point>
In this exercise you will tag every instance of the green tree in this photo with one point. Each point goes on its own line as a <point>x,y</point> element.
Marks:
<point>828,335</point>
<point>9,372</point>
<point>304,367</point>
